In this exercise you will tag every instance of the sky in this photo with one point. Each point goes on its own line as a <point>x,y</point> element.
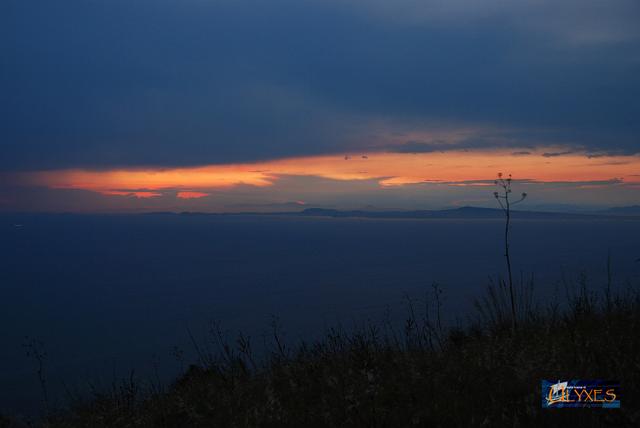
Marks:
<point>249,105</point>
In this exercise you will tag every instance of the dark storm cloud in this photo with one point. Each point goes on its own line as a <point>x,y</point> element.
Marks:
<point>167,82</point>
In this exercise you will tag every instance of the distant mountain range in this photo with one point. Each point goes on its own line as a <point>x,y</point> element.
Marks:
<point>454,213</point>
<point>461,213</point>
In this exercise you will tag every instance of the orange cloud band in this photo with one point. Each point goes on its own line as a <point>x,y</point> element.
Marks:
<point>389,169</point>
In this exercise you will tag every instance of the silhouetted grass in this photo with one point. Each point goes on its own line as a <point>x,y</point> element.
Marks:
<point>485,374</point>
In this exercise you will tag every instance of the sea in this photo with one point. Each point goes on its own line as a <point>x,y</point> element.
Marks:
<point>102,298</point>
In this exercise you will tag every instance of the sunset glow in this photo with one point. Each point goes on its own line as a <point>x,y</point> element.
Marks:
<point>454,168</point>
<point>191,195</point>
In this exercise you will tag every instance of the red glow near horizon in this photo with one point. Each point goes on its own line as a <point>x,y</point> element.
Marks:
<point>191,195</point>
<point>132,194</point>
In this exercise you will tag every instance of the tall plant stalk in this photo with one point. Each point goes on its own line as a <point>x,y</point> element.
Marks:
<point>502,197</point>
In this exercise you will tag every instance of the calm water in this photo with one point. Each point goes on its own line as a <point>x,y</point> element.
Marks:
<point>110,293</point>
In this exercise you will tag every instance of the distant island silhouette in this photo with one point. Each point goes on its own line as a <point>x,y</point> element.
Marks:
<point>466,212</point>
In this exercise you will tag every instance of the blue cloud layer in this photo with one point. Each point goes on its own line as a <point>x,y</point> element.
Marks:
<point>168,82</point>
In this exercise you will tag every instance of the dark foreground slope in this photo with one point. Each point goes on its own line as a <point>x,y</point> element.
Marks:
<point>483,375</point>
